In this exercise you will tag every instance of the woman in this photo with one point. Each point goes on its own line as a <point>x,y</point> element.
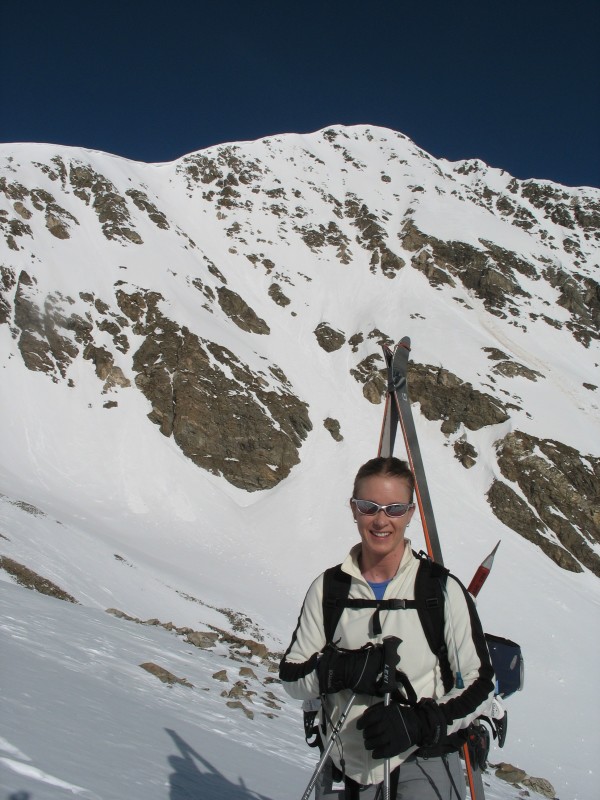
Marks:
<point>413,735</point>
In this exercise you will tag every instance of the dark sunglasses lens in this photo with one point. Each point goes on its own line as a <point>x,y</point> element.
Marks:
<point>397,510</point>
<point>366,507</point>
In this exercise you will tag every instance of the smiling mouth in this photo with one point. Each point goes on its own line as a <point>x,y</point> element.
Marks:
<point>380,534</point>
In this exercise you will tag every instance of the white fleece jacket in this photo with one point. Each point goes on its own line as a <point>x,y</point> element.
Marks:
<point>463,634</point>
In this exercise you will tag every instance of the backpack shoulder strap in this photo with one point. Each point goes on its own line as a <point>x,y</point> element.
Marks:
<point>336,588</point>
<point>429,598</point>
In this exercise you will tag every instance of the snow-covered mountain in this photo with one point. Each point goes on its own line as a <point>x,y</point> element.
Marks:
<point>191,375</point>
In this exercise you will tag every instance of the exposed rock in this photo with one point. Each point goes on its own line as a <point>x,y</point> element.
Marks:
<point>22,210</point>
<point>514,512</point>
<point>31,580</point>
<point>580,295</point>
<point>509,773</point>
<point>239,704</point>
<point>316,238</point>
<point>240,312</point>
<point>203,640</point>
<point>239,689</point>
<point>140,199</point>
<point>372,376</point>
<point>58,220</point>
<point>561,485</point>
<point>380,337</point>
<point>110,207</point>
<point>221,675</point>
<point>541,786</point>
<point>355,340</point>
<point>465,452</point>
<point>43,347</point>
<point>333,426</point>
<point>373,238</point>
<point>509,368</point>
<point>443,396</point>
<point>7,283</point>
<point>164,675</point>
<point>512,369</point>
<point>106,369</point>
<point>519,778</point>
<point>28,508</point>
<point>489,272</point>
<point>328,338</point>
<point>248,672</point>
<point>223,416</point>
<point>276,294</point>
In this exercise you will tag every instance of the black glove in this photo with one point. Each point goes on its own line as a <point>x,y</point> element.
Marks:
<point>390,730</point>
<point>357,670</point>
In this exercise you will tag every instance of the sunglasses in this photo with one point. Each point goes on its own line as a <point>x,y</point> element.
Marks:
<point>369,508</point>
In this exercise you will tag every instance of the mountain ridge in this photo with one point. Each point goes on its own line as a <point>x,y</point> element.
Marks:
<point>191,371</point>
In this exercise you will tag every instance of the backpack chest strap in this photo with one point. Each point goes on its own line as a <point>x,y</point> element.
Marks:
<point>395,604</point>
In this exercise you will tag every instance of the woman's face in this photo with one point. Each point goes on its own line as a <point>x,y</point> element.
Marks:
<point>381,535</point>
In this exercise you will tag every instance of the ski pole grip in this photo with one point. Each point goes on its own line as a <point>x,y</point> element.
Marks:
<point>391,659</point>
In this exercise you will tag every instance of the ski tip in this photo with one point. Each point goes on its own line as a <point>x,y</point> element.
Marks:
<point>405,342</point>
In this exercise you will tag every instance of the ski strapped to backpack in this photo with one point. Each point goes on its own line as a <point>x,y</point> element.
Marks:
<point>398,411</point>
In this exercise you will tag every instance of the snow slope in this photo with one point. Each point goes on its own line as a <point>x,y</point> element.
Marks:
<point>102,504</point>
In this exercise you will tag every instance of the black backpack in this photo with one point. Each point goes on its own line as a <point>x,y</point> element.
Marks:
<point>505,655</point>
<point>429,602</point>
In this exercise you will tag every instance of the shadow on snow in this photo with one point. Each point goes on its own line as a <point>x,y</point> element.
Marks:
<point>188,781</point>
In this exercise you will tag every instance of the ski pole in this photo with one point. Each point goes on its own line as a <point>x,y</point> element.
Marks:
<point>334,733</point>
<point>390,662</point>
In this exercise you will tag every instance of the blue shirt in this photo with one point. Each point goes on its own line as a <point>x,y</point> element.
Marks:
<point>378,589</point>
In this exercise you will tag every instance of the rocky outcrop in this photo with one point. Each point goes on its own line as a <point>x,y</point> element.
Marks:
<point>518,777</point>
<point>561,491</point>
<point>278,296</point>
<point>444,396</point>
<point>328,338</point>
<point>333,426</point>
<point>102,195</point>
<point>580,295</point>
<point>516,513</point>
<point>226,418</point>
<point>240,312</point>
<point>49,337</point>
<point>164,675</point>
<point>373,237</point>
<point>31,580</point>
<point>318,237</point>
<point>441,394</point>
<point>111,375</point>
<point>491,272</point>
<point>57,219</point>
<point>508,368</point>
<point>465,452</point>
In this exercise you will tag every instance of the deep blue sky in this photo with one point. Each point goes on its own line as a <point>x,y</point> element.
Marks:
<point>515,83</point>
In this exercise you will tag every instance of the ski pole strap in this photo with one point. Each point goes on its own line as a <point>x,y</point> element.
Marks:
<point>312,734</point>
